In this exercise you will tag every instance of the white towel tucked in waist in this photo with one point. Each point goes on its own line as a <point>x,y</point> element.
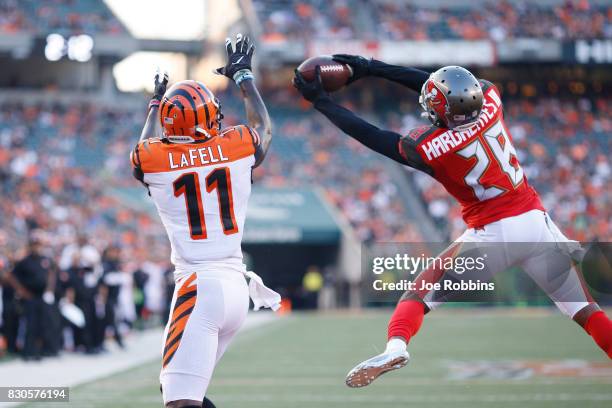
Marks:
<point>260,294</point>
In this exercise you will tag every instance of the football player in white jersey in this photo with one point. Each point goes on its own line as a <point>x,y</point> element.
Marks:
<point>199,177</point>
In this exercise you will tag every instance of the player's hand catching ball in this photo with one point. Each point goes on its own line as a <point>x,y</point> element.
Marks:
<point>238,59</point>
<point>359,65</point>
<point>313,90</point>
<point>161,82</point>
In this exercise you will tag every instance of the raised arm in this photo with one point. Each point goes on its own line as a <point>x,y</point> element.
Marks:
<point>238,69</point>
<point>381,141</point>
<point>409,77</point>
<point>152,127</point>
<point>257,116</point>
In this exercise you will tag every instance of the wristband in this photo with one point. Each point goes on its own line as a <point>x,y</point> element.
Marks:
<point>242,75</point>
<point>154,103</point>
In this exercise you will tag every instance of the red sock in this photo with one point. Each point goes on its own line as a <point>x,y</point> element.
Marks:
<point>599,326</point>
<point>406,319</point>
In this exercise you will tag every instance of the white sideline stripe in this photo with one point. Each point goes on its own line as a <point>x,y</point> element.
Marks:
<point>71,369</point>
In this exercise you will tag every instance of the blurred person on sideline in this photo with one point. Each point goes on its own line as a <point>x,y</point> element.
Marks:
<point>8,314</point>
<point>87,255</point>
<point>33,279</point>
<point>110,287</point>
<point>312,283</point>
<point>126,306</point>
<point>84,273</point>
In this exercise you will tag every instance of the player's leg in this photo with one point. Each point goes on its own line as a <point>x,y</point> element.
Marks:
<point>191,341</point>
<point>573,300</point>
<point>597,324</point>
<point>236,311</point>
<point>405,322</point>
<point>555,271</point>
<point>556,274</point>
<point>413,305</point>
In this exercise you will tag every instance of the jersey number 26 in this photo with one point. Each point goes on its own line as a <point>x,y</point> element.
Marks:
<point>502,152</point>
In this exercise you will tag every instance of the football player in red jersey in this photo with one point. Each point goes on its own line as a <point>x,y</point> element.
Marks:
<point>469,150</point>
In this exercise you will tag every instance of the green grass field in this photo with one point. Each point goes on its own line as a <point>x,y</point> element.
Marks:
<point>300,361</point>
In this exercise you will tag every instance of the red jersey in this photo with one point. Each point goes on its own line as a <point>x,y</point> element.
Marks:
<point>477,165</point>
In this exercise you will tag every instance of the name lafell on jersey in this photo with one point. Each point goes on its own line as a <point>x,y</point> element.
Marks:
<point>450,139</point>
<point>196,157</point>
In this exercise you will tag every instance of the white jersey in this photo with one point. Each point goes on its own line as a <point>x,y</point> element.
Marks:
<point>201,192</point>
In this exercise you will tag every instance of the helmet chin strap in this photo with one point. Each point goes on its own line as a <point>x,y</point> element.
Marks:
<point>465,126</point>
<point>189,139</point>
<point>180,139</point>
<point>204,132</point>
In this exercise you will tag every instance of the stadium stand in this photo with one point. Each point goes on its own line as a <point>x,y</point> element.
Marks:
<point>61,16</point>
<point>402,20</point>
<point>319,19</point>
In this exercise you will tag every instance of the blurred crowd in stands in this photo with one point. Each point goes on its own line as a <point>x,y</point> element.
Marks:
<point>403,20</point>
<point>354,179</point>
<point>340,19</point>
<point>62,16</point>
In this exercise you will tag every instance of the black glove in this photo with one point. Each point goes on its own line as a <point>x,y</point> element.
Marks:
<point>359,65</point>
<point>239,59</point>
<point>311,91</point>
<point>161,82</point>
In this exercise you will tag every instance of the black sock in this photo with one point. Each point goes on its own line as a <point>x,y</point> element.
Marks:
<point>207,403</point>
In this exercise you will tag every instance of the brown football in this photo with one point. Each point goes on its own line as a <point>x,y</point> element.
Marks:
<point>333,74</point>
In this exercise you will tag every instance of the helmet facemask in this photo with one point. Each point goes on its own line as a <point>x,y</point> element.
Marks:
<point>433,103</point>
<point>214,127</point>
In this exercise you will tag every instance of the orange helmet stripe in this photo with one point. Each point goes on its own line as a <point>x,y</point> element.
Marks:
<point>204,102</point>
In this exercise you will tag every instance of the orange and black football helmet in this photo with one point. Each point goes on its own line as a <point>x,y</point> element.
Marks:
<point>189,112</point>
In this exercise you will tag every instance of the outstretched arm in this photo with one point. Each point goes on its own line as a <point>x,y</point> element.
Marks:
<point>238,69</point>
<point>152,127</point>
<point>381,141</point>
<point>409,77</point>
<point>257,116</point>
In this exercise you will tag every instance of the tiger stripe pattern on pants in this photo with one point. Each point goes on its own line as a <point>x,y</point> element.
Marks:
<point>185,302</point>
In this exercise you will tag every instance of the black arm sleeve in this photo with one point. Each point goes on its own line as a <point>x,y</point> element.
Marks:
<point>409,77</point>
<point>381,141</point>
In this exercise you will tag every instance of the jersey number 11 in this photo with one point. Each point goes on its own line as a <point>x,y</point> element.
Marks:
<point>188,185</point>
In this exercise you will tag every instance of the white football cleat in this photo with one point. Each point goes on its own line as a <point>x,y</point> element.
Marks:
<point>366,372</point>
